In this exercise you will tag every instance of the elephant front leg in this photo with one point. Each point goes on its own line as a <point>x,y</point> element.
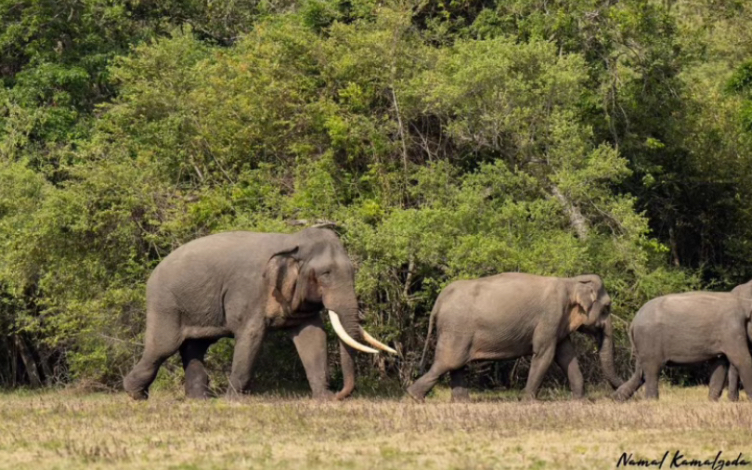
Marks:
<point>566,358</point>
<point>739,357</point>
<point>247,347</point>
<point>733,383</point>
<point>310,341</point>
<point>542,358</point>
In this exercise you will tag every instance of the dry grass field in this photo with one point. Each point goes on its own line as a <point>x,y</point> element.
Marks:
<point>67,430</point>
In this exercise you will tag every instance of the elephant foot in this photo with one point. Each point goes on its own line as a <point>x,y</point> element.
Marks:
<point>138,395</point>
<point>462,398</point>
<point>197,390</point>
<point>416,397</point>
<point>326,395</point>
<point>529,398</point>
<point>234,395</point>
<point>578,391</point>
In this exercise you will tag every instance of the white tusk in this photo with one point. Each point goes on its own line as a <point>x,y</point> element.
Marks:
<point>347,339</point>
<point>376,343</point>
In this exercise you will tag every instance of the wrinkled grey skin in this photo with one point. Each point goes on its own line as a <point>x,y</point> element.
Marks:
<point>241,284</point>
<point>512,315</point>
<point>689,328</point>
<point>718,377</point>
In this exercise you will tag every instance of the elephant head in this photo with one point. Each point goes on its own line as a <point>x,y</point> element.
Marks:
<point>591,301</point>
<point>743,290</point>
<point>316,272</point>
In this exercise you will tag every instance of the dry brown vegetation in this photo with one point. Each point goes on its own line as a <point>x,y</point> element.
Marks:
<point>65,430</point>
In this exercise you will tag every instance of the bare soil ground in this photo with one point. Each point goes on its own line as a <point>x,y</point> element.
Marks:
<point>67,430</point>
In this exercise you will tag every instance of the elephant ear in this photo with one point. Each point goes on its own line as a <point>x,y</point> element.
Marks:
<point>585,294</point>
<point>583,297</point>
<point>281,278</point>
<point>307,288</point>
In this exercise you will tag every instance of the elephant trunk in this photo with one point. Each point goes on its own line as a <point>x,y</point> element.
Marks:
<point>595,312</point>
<point>342,309</point>
<point>345,320</point>
<point>348,316</point>
<point>348,328</point>
<point>348,371</point>
<point>606,353</point>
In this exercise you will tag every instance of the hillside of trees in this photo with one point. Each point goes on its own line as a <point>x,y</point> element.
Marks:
<point>446,139</point>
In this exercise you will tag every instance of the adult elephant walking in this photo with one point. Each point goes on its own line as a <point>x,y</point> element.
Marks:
<point>720,367</point>
<point>689,328</point>
<point>512,315</point>
<point>241,284</point>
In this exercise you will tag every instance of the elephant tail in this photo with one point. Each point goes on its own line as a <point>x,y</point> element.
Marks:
<point>632,341</point>
<point>428,337</point>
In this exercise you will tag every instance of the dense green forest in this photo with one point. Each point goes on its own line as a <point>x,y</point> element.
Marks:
<point>446,139</point>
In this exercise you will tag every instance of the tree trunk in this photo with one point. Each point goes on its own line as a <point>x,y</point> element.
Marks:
<point>28,361</point>
<point>576,219</point>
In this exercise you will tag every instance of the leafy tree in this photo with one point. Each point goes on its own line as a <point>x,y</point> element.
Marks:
<point>447,140</point>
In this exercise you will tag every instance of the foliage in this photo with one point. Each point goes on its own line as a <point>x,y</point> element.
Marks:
<point>448,140</point>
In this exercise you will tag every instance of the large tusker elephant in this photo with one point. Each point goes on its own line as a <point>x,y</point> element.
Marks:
<point>512,315</point>
<point>241,284</point>
<point>689,328</point>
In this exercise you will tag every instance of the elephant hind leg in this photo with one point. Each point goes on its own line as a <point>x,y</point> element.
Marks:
<point>628,388</point>
<point>652,371</point>
<point>157,349</point>
<point>423,385</point>
<point>717,379</point>
<point>192,352</point>
<point>452,353</point>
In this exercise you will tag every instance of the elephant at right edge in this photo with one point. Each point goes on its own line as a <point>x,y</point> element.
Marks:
<point>718,377</point>
<point>689,328</point>
<point>510,315</point>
